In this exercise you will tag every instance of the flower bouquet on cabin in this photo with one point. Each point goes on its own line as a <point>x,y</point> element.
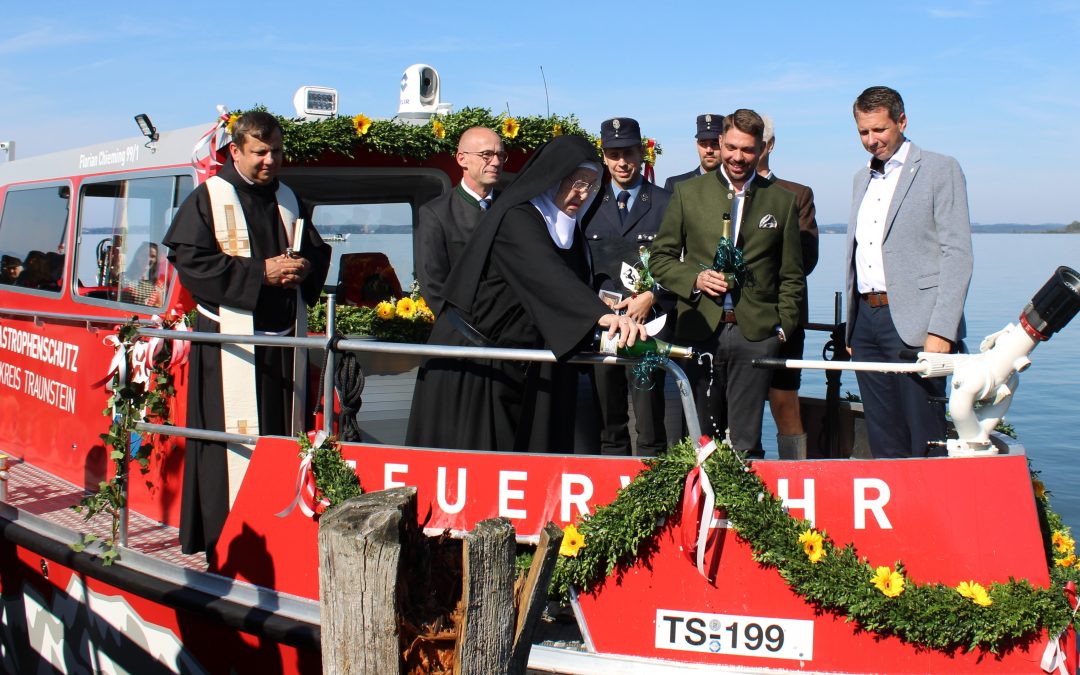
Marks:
<point>405,319</point>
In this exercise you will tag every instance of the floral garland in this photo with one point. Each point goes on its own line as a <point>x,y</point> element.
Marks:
<point>830,577</point>
<point>307,140</point>
<point>406,319</point>
<point>132,399</point>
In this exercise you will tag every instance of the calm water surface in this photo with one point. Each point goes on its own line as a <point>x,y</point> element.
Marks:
<point>1009,269</point>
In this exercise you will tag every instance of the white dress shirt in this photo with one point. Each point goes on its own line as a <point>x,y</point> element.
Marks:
<point>870,222</point>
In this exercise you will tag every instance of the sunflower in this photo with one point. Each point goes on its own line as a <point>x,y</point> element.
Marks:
<point>1067,561</point>
<point>1039,487</point>
<point>361,123</point>
<point>1062,542</point>
<point>510,128</point>
<point>572,542</point>
<point>556,130</point>
<point>890,583</point>
<point>813,545</point>
<point>406,308</point>
<point>232,120</point>
<point>438,129</point>
<point>974,592</point>
<point>384,310</point>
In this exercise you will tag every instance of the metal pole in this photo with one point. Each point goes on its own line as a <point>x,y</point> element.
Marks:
<point>123,514</point>
<point>3,477</point>
<point>330,363</point>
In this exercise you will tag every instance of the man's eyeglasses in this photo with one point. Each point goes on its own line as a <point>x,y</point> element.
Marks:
<point>584,187</point>
<point>487,155</point>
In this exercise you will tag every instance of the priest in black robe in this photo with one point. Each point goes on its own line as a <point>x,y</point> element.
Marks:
<point>265,284</point>
<point>522,281</point>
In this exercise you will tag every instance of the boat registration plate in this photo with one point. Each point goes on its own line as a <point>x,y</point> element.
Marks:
<point>759,636</point>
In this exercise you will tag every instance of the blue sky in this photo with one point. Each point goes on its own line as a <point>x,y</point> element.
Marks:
<point>995,84</point>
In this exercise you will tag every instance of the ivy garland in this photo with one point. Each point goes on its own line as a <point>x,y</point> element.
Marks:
<point>308,140</point>
<point>840,582</point>
<point>128,404</point>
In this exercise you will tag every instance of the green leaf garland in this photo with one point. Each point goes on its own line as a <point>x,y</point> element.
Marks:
<point>932,615</point>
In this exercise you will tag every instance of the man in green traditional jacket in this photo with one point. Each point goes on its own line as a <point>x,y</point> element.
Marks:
<point>734,321</point>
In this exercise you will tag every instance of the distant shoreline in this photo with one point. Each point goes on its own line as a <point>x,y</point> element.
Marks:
<point>1003,228</point>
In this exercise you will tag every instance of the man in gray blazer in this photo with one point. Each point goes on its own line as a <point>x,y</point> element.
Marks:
<point>909,264</point>
<point>447,222</point>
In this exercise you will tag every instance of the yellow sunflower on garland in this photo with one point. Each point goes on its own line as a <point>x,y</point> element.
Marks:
<point>510,127</point>
<point>361,123</point>
<point>406,308</point>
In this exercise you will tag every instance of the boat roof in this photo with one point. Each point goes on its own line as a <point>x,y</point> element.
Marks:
<point>173,148</point>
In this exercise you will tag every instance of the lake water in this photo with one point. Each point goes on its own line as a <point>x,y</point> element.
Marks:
<point>1009,269</point>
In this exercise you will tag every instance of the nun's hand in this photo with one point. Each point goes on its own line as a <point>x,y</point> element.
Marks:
<point>629,331</point>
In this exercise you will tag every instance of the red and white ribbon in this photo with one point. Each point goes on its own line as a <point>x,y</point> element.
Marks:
<point>699,508</point>
<point>117,367</point>
<point>204,156</point>
<point>305,485</point>
<point>1056,654</point>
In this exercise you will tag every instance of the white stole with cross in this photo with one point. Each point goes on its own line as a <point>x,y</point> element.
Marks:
<point>238,385</point>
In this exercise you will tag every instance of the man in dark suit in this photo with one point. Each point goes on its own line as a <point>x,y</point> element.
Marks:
<point>709,127</point>
<point>625,217</point>
<point>909,264</point>
<point>734,322</point>
<point>446,222</point>
<point>784,389</point>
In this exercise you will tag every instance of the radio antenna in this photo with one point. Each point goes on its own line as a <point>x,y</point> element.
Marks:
<point>547,101</point>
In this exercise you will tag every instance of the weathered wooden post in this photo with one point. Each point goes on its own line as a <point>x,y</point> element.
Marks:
<point>486,635</point>
<point>375,570</point>
<point>360,552</point>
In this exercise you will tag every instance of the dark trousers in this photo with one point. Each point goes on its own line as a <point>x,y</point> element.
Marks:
<point>900,413</point>
<point>731,395</point>
<point>612,385</point>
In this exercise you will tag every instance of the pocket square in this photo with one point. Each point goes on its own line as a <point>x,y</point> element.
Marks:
<point>768,221</point>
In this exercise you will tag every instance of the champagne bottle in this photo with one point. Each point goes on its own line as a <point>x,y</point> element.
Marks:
<point>726,227</point>
<point>641,347</point>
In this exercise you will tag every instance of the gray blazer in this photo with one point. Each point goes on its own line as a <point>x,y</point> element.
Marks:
<point>926,249</point>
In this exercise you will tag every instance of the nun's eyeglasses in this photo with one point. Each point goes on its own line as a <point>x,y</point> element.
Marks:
<point>487,155</point>
<point>585,188</point>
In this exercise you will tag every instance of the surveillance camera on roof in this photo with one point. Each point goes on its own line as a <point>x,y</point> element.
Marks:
<point>420,94</point>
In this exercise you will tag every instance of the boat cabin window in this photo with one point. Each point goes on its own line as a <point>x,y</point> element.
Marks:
<point>367,215</point>
<point>32,230</point>
<point>121,224</point>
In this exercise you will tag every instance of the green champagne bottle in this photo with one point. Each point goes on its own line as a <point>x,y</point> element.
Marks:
<point>641,347</point>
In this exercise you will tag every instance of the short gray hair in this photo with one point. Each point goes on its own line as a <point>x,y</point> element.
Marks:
<point>769,132</point>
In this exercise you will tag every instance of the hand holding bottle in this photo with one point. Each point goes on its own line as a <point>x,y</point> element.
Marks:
<point>628,330</point>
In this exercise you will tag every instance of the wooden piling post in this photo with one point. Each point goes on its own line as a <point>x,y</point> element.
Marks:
<point>532,596</point>
<point>360,552</point>
<point>486,636</point>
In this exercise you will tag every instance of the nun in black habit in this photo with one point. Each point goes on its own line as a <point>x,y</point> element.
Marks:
<point>522,281</point>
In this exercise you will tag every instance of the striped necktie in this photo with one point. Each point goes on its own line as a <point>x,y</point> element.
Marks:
<point>485,203</point>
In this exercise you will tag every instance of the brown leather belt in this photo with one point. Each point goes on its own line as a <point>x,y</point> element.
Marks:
<point>728,316</point>
<point>876,299</point>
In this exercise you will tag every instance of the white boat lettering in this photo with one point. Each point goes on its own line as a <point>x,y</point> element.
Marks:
<point>45,349</point>
<point>807,503</point>
<point>110,158</point>
<point>50,391</point>
<point>506,494</point>
<point>876,504</point>
<point>440,491</point>
<point>389,471</point>
<point>10,376</point>
<point>570,498</point>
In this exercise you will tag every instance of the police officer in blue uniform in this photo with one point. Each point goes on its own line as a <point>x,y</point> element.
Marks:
<point>709,127</point>
<point>625,217</point>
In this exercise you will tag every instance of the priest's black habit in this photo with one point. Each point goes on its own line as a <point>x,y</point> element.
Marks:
<point>518,289</point>
<point>215,278</point>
